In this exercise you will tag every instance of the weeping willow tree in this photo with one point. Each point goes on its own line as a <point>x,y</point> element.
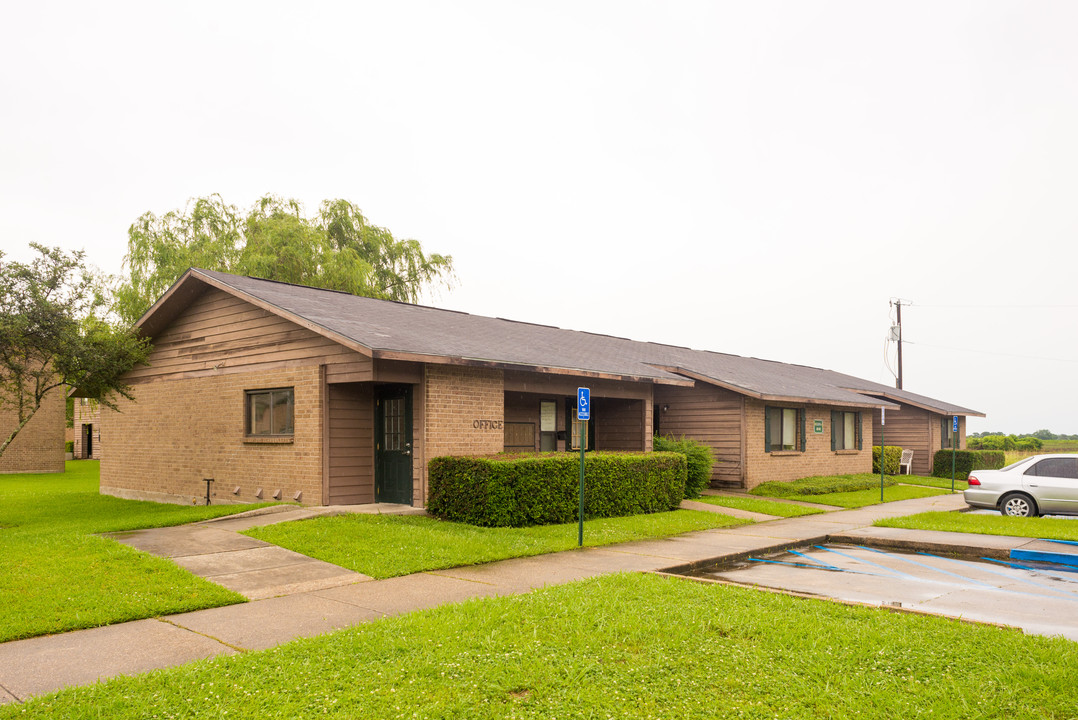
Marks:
<point>338,249</point>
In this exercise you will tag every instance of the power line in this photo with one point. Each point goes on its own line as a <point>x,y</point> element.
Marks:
<point>989,352</point>
<point>997,307</point>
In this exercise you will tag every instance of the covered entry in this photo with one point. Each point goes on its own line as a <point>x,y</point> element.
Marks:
<point>368,443</point>
<point>547,422</point>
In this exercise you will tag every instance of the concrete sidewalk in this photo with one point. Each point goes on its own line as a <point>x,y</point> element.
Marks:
<point>258,570</point>
<point>339,598</point>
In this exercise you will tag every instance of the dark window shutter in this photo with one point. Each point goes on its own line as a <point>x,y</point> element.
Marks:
<point>767,429</point>
<point>834,428</point>
<point>801,414</point>
<point>859,436</point>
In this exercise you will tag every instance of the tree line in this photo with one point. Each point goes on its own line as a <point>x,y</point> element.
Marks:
<point>1039,434</point>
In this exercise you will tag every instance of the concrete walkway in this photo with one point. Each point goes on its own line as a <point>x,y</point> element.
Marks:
<point>258,570</point>
<point>297,598</point>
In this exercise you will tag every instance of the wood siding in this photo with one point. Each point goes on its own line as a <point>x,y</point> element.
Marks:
<point>710,415</point>
<point>350,441</point>
<point>910,428</point>
<point>524,408</point>
<point>220,333</point>
<point>619,424</point>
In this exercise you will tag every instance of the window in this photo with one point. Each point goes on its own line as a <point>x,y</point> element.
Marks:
<point>1056,467</point>
<point>784,429</point>
<point>574,443</point>
<point>270,412</point>
<point>946,433</point>
<point>845,430</point>
<point>394,432</point>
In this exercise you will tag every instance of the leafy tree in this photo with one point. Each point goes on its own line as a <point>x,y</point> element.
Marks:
<point>337,249</point>
<point>53,333</point>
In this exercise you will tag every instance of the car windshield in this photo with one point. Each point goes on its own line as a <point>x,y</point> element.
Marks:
<point>1013,465</point>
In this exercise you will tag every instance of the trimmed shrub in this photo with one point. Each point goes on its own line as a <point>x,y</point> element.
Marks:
<point>69,446</point>
<point>821,485</point>
<point>698,457</point>
<point>892,460</point>
<point>965,461</point>
<point>518,491</point>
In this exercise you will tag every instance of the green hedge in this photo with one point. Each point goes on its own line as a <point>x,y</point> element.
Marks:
<point>892,460</point>
<point>966,461</point>
<point>69,446</point>
<point>518,491</point>
<point>699,457</point>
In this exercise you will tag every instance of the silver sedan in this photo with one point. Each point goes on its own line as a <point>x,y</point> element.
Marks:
<point>1037,485</point>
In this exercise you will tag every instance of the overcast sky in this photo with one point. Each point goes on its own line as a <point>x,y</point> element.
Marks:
<point>757,178</point>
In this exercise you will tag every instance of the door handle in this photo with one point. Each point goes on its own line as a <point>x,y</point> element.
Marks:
<point>406,452</point>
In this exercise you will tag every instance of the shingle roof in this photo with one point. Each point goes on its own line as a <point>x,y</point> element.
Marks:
<point>401,330</point>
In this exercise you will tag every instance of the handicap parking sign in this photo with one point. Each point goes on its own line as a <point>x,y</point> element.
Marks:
<point>583,404</point>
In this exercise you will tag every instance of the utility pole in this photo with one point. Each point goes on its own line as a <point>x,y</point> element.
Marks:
<point>898,380</point>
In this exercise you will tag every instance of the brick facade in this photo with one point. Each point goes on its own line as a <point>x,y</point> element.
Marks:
<point>462,413</point>
<point>817,459</point>
<point>39,447</point>
<point>178,432</point>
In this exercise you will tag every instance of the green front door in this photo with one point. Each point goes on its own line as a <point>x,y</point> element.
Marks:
<point>393,444</point>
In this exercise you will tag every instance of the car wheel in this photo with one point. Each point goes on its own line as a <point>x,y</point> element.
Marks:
<point>1018,505</point>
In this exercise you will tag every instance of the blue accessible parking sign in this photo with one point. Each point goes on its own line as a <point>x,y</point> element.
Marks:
<point>583,404</point>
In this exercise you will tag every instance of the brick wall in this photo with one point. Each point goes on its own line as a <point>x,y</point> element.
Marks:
<point>178,432</point>
<point>39,447</point>
<point>87,413</point>
<point>455,400</point>
<point>818,458</point>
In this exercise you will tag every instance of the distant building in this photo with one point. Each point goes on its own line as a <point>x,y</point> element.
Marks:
<point>39,447</point>
<point>87,427</point>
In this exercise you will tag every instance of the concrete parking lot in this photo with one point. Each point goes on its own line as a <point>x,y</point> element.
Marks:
<point>1040,598</point>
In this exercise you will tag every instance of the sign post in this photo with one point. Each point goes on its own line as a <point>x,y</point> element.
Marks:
<point>954,445</point>
<point>583,414</point>
<point>883,447</point>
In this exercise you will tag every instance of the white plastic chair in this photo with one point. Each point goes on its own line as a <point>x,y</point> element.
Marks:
<point>906,462</point>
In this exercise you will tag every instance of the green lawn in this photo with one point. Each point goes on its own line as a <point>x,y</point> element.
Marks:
<point>850,491</point>
<point>861,498</point>
<point>384,546</point>
<point>622,646</point>
<point>942,483</point>
<point>1045,528</point>
<point>759,505</point>
<point>58,576</point>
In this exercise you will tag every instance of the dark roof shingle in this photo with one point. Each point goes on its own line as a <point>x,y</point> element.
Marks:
<point>396,329</point>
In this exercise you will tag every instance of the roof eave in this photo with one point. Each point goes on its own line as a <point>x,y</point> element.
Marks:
<point>923,406</point>
<point>506,365</point>
<point>766,397</point>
